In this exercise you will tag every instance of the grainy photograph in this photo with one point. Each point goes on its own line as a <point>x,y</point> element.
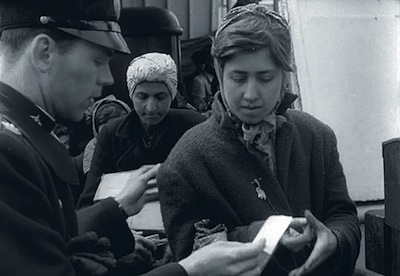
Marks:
<point>199,137</point>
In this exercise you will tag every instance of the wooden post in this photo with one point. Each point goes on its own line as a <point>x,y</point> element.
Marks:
<point>391,164</point>
<point>375,240</point>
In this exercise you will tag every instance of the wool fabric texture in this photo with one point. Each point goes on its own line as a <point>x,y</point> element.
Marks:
<point>153,67</point>
<point>209,175</point>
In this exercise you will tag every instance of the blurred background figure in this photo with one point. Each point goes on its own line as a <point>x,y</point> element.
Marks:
<point>205,83</point>
<point>104,111</point>
<point>101,112</point>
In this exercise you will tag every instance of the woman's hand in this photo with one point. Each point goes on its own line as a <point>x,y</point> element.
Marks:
<point>295,240</point>
<point>227,258</point>
<point>325,245</point>
<point>132,198</point>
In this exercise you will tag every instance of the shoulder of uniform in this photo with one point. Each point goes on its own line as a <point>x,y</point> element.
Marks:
<point>8,126</point>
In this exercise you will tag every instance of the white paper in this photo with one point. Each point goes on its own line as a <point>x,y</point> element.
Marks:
<point>111,184</point>
<point>149,218</point>
<point>272,230</point>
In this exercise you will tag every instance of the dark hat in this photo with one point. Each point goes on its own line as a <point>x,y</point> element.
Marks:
<point>92,20</point>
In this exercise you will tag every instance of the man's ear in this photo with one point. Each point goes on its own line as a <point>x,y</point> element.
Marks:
<point>43,48</point>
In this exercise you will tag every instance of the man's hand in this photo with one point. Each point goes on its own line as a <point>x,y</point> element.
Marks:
<point>325,245</point>
<point>132,198</point>
<point>90,255</point>
<point>145,248</point>
<point>143,256</point>
<point>227,258</point>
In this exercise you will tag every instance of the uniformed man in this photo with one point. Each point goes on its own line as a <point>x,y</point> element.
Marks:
<point>54,57</point>
<point>53,61</point>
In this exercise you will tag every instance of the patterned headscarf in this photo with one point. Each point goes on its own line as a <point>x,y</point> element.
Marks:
<point>250,28</point>
<point>266,29</point>
<point>152,67</point>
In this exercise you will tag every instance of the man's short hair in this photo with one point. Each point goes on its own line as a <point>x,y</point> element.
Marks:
<point>15,41</point>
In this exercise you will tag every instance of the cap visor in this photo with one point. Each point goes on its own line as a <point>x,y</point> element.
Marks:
<point>111,40</point>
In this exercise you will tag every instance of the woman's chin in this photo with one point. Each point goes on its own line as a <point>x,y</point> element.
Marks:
<point>251,120</point>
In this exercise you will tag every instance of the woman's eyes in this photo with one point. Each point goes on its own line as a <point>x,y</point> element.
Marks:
<point>244,79</point>
<point>266,79</point>
<point>160,96</point>
<point>141,96</point>
<point>239,79</point>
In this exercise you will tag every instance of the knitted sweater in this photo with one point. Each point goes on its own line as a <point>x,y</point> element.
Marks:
<point>209,174</point>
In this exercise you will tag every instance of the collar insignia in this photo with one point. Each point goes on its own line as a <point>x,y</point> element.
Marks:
<point>36,118</point>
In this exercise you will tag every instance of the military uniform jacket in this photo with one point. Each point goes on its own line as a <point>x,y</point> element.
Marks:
<point>37,214</point>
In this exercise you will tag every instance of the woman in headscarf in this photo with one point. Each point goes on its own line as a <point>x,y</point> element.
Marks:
<point>254,158</point>
<point>104,111</point>
<point>150,131</point>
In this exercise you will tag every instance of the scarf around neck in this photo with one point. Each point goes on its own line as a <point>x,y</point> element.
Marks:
<point>260,136</point>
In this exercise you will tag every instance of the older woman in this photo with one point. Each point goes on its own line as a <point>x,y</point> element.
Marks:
<point>150,131</point>
<point>254,158</point>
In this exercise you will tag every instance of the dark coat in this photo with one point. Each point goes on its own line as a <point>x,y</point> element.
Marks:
<point>37,215</point>
<point>210,174</point>
<point>120,147</point>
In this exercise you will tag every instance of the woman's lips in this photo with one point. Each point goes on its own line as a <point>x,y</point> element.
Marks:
<point>151,115</point>
<point>252,107</point>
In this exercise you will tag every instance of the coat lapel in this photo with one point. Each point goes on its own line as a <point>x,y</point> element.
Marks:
<point>274,187</point>
<point>132,158</point>
<point>284,142</point>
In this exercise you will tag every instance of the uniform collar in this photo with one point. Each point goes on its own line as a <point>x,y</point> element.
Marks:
<point>37,114</point>
<point>21,112</point>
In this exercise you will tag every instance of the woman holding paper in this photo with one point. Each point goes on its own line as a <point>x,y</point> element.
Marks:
<point>150,131</point>
<point>254,158</point>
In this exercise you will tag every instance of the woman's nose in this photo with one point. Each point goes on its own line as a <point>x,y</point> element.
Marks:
<point>251,92</point>
<point>151,105</point>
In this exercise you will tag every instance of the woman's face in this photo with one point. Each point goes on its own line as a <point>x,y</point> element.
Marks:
<point>151,101</point>
<point>252,85</point>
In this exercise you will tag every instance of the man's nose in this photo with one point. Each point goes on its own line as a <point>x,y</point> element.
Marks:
<point>106,77</point>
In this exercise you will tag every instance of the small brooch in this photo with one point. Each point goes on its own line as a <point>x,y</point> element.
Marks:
<point>260,192</point>
<point>36,118</point>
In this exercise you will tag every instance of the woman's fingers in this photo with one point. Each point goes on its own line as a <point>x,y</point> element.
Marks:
<point>326,244</point>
